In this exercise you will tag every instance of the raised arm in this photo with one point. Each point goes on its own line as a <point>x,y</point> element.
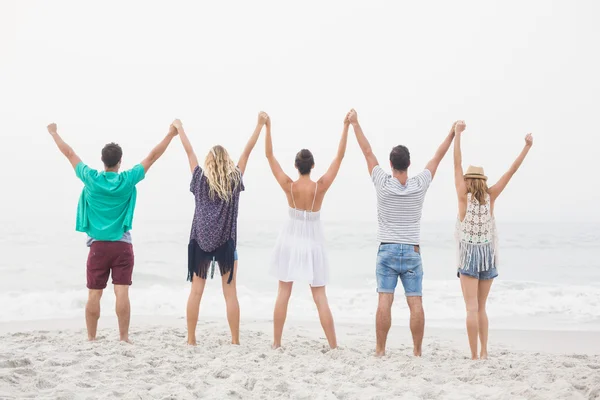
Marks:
<point>363,142</point>
<point>503,181</point>
<point>283,180</point>
<point>262,119</point>
<point>63,147</point>
<point>459,179</point>
<point>433,164</point>
<point>327,179</point>
<point>158,151</point>
<point>187,146</point>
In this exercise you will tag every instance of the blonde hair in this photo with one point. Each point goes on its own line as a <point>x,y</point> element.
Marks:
<point>478,189</point>
<point>222,174</point>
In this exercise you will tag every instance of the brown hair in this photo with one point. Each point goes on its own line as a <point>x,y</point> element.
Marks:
<point>304,161</point>
<point>400,158</point>
<point>478,189</point>
<point>111,155</point>
<point>223,177</point>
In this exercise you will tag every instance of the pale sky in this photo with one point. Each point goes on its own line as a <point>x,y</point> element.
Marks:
<point>123,70</point>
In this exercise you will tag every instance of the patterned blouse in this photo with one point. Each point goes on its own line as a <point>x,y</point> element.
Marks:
<point>215,220</point>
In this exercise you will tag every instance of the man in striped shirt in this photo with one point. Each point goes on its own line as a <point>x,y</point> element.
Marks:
<point>399,206</point>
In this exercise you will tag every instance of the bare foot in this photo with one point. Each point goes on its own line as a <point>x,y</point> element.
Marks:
<point>91,339</point>
<point>236,342</point>
<point>191,342</point>
<point>380,353</point>
<point>474,357</point>
<point>126,340</point>
<point>276,346</point>
<point>417,353</point>
<point>483,356</point>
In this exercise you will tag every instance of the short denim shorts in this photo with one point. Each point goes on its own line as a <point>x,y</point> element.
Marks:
<point>402,261</point>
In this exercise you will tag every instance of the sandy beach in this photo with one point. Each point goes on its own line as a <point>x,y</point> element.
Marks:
<point>53,360</point>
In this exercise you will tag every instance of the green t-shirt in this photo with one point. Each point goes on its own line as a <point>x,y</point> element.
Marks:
<point>107,202</point>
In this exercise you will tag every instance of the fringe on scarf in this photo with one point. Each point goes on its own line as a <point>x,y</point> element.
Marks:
<point>199,261</point>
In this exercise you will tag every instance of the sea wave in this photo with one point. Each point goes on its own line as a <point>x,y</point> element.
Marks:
<point>540,305</point>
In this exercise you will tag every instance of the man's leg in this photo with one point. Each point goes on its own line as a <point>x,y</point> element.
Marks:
<point>469,288</point>
<point>92,312</point>
<point>482,294</point>
<point>193,307</point>
<point>325,316</point>
<point>97,273</point>
<point>123,310</point>
<point>383,321</point>
<point>233,305</point>
<point>280,312</point>
<point>122,272</point>
<point>417,322</point>
<point>412,280</point>
<point>387,271</point>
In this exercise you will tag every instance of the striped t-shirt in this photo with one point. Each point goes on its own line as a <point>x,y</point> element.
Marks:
<point>399,206</point>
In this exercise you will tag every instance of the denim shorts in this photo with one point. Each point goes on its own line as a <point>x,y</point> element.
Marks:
<point>399,261</point>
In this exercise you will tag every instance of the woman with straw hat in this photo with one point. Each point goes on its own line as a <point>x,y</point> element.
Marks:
<point>477,238</point>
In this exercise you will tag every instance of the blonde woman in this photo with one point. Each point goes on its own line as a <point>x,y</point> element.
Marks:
<point>216,189</point>
<point>477,238</point>
<point>299,254</point>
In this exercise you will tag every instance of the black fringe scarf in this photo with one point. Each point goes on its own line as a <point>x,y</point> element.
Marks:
<point>199,260</point>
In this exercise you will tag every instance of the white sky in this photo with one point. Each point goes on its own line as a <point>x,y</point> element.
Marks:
<point>123,70</point>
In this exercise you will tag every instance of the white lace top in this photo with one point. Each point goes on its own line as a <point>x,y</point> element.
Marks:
<point>476,235</point>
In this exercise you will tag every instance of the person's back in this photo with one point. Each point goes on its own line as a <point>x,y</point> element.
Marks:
<point>213,239</point>
<point>477,239</point>
<point>299,254</point>
<point>107,202</point>
<point>105,214</point>
<point>399,207</point>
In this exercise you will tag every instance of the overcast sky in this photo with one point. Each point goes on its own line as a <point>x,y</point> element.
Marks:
<point>123,70</point>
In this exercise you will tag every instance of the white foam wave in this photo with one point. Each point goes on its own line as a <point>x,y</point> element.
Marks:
<point>543,306</point>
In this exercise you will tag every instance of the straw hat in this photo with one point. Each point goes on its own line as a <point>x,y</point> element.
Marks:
<point>475,173</point>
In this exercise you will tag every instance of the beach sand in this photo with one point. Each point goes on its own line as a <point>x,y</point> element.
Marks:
<point>53,360</point>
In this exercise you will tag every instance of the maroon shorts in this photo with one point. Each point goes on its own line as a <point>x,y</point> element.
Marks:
<point>105,257</point>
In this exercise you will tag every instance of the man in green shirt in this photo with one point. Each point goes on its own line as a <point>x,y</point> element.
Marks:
<point>105,213</point>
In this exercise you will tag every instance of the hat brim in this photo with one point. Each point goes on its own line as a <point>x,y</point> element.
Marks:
<point>475,176</point>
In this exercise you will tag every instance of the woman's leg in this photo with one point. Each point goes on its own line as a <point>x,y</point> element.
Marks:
<point>193,307</point>
<point>233,305</point>
<point>325,316</point>
<point>469,288</point>
<point>280,313</point>
<point>482,295</point>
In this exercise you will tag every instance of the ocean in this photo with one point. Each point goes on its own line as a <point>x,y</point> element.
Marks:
<point>549,275</point>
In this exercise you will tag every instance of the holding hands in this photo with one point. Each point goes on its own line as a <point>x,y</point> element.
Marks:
<point>263,118</point>
<point>177,124</point>
<point>459,127</point>
<point>352,117</point>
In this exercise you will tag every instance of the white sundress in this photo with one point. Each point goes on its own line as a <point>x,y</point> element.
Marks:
<point>299,254</point>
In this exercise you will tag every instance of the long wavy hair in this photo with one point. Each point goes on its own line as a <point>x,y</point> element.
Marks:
<point>478,189</point>
<point>222,174</point>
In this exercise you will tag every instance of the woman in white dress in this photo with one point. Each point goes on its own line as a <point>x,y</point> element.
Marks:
<point>299,254</point>
<point>477,264</point>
